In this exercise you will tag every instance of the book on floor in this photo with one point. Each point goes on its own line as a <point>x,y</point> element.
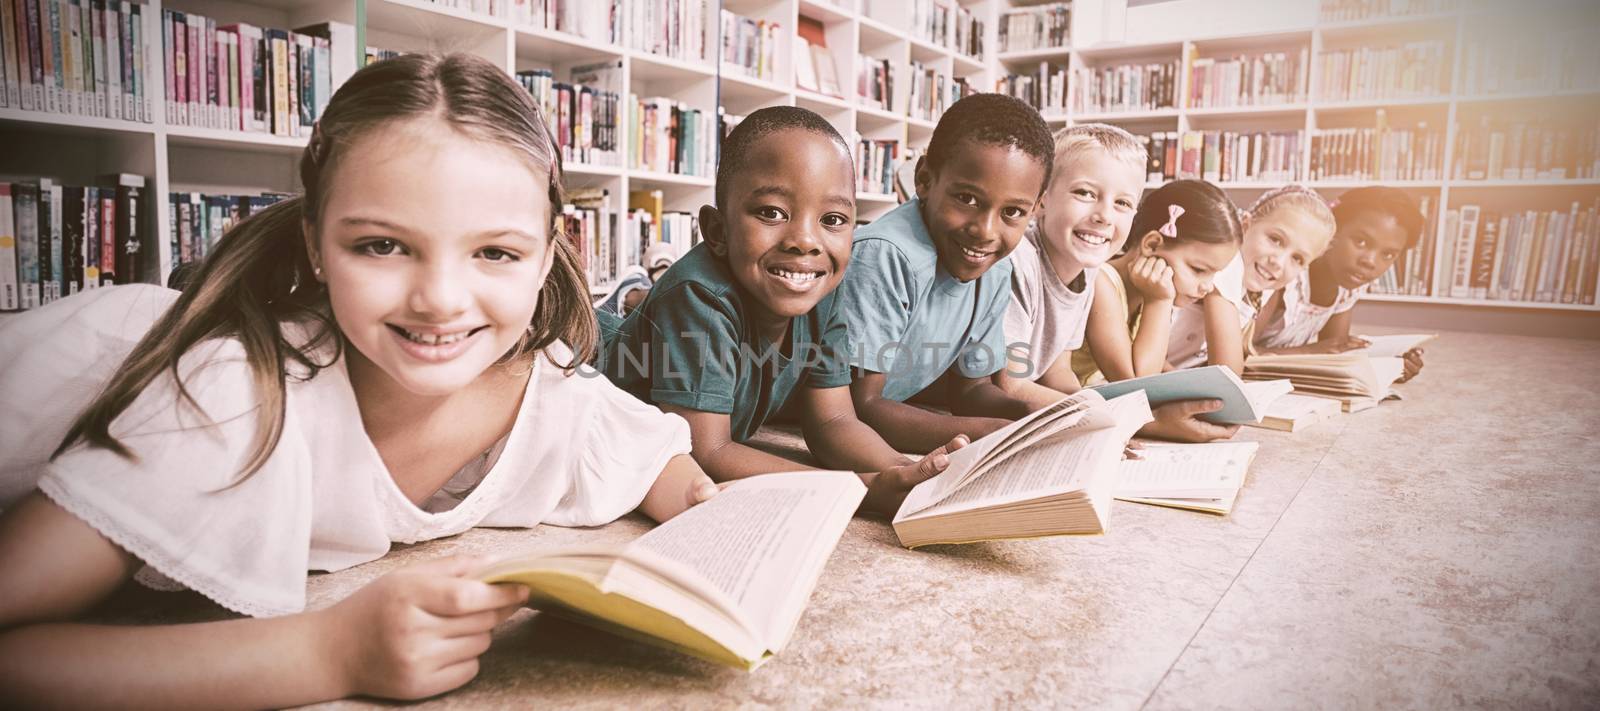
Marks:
<point>1394,345</point>
<point>1047,474</point>
<point>1357,380</point>
<point>1297,411</point>
<point>1198,477</point>
<point>725,581</point>
<point>1242,402</point>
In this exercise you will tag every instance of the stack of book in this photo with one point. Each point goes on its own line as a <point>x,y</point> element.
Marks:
<point>57,240</point>
<point>1527,150</point>
<point>1413,269</point>
<point>1548,256</point>
<point>582,116</point>
<point>1225,156</point>
<point>197,221</point>
<point>668,136</point>
<point>679,29</point>
<point>1125,87</point>
<point>875,164</point>
<point>240,77</point>
<point>1258,80</point>
<point>1045,89</point>
<point>89,59</point>
<point>1037,27</point>
<point>1377,153</point>
<point>1414,69</point>
<point>749,47</point>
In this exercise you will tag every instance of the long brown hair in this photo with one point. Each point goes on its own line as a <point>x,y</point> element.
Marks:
<point>260,275</point>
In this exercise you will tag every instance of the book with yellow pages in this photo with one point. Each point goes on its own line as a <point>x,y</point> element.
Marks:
<point>1296,411</point>
<point>725,581</point>
<point>1199,477</point>
<point>1047,474</point>
<point>1357,380</point>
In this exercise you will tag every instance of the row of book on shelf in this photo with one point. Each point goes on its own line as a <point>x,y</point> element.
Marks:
<point>1381,153</point>
<point>583,115</point>
<point>1124,87</point>
<point>1541,256</point>
<point>1414,69</point>
<point>750,47</point>
<point>1557,59</point>
<point>240,77</point>
<point>197,221</point>
<point>814,69</point>
<point>1036,27</point>
<point>679,29</point>
<point>1350,10</point>
<point>83,57</point>
<point>57,240</point>
<point>876,161</point>
<point>944,23</point>
<point>1528,150</point>
<point>1045,89</point>
<point>1254,80</point>
<point>608,244</point>
<point>1224,156</point>
<point>910,89</point>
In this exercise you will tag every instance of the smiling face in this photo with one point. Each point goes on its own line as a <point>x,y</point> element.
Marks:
<point>1281,244</point>
<point>977,205</point>
<point>788,221</point>
<point>1086,212</point>
<point>434,247</point>
<point>1364,247</point>
<point>1194,264</point>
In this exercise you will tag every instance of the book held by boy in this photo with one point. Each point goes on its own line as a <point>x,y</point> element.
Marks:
<point>1050,473</point>
<point>1198,477</point>
<point>1242,402</point>
<point>725,581</point>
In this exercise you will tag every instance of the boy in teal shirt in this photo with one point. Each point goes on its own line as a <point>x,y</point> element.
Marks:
<point>926,297</point>
<point>748,318</point>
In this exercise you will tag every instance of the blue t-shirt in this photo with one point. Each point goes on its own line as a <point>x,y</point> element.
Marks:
<point>691,344</point>
<point>909,318</point>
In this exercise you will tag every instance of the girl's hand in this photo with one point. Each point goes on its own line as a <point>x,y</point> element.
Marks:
<point>1180,422</point>
<point>418,631</point>
<point>1152,277</point>
<point>889,488</point>
<point>1342,344</point>
<point>1413,360</point>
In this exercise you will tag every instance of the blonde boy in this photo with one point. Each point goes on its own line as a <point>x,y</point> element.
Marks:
<point>1082,222</point>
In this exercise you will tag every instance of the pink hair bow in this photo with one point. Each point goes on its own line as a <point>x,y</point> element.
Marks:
<point>1170,230</point>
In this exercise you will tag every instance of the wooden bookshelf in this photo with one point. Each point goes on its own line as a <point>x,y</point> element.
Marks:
<point>1313,112</point>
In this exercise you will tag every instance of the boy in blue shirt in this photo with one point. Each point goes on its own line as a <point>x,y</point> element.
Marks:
<point>926,297</point>
<point>747,318</point>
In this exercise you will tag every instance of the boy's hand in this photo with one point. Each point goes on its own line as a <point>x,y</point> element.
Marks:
<point>418,631</point>
<point>1343,344</point>
<point>889,488</point>
<point>1413,361</point>
<point>1152,277</point>
<point>1179,422</point>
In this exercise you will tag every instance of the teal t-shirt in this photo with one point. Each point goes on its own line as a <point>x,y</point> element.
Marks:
<point>692,345</point>
<point>909,318</point>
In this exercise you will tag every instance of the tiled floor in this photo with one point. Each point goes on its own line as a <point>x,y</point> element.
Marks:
<point>1438,552</point>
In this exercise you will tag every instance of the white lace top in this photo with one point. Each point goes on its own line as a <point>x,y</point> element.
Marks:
<point>581,452</point>
<point>1301,321</point>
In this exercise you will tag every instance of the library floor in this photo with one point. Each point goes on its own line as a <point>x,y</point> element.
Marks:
<point>1438,552</point>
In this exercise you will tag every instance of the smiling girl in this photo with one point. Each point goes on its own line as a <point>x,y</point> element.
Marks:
<point>1285,230</point>
<point>385,359</point>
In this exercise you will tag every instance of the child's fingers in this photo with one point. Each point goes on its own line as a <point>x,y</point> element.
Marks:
<point>1191,408</point>
<point>704,489</point>
<point>475,623</point>
<point>955,443</point>
<point>453,597</point>
<point>453,651</point>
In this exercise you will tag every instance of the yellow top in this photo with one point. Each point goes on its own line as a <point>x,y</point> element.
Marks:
<point>1083,364</point>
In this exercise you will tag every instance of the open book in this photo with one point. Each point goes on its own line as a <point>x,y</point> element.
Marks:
<point>1394,346</point>
<point>1295,412</point>
<point>1242,402</point>
<point>1047,474</point>
<point>1200,477</point>
<point>725,581</point>
<point>1355,379</point>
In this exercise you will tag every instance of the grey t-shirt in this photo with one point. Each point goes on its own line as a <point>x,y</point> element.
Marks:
<point>1046,316</point>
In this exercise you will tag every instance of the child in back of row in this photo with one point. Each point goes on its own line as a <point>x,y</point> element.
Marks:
<point>1083,220</point>
<point>1311,314</point>
<point>1285,230</point>
<point>1183,234</point>
<point>927,291</point>
<point>749,319</point>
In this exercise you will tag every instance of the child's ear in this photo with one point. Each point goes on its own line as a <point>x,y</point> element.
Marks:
<point>713,230</point>
<point>1150,243</point>
<point>309,236</point>
<point>924,177</point>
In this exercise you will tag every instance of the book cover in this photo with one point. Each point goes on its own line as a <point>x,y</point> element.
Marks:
<point>10,271</point>
<point>25,212</point>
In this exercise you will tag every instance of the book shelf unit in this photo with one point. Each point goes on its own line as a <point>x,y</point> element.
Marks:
<point>1448,111</point>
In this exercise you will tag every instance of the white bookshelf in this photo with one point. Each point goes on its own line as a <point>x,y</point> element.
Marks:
<point>1313,112</point>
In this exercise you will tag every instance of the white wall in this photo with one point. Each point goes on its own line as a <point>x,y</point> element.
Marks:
<point>1097,21</point>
